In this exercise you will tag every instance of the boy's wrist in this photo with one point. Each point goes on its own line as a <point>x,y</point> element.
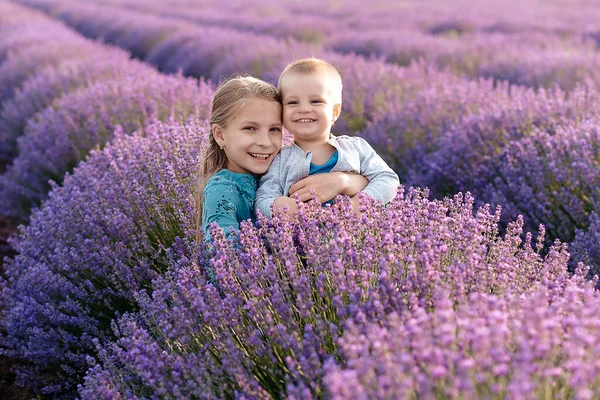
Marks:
<point>344,180</point>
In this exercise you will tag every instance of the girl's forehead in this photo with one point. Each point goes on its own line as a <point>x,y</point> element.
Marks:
<point>258,107</point>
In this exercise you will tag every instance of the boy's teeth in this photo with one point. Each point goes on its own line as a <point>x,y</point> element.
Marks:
<point>305,120</point>
<point>260,156</point>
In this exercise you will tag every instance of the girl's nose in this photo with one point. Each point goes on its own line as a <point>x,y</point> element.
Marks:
<point>262,138</point>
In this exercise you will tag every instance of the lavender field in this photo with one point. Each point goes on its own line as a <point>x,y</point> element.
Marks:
<point>478,281</point>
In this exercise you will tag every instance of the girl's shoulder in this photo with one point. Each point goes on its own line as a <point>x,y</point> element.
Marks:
<point>226,178</point>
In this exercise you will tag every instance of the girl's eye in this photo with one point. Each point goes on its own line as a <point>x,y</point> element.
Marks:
<point>316,101</point>
<point>275,129</point>
<point>292,102</point>
<point>250,128</point>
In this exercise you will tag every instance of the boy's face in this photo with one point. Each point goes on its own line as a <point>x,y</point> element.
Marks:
<point>309,106</point>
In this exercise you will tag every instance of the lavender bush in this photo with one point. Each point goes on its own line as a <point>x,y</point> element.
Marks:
<point>586,246</point>
<point>98,239</point>
<point>24,27</point>
<point>61,136</point>
<point>549,178</point>
<point>264,318</point>
<point>38,92</point>
<point>540,345</point>
<point>216,52</point>
<point>491,154</point>
<point>24,64</point>
<point>409,128</point>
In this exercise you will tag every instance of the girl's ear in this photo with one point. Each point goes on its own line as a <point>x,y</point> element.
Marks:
<point>337,110</point>
<point>218,134</point>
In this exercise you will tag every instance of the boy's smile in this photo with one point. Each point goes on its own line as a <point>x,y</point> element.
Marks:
<point>309,107</point>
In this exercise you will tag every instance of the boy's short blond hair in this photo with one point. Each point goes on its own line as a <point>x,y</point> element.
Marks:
<point>315,66</point>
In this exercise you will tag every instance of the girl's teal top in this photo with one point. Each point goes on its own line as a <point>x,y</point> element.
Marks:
<point>228,200</point>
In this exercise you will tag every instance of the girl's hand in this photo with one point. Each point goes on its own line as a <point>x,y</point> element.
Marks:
<point>327,186</point>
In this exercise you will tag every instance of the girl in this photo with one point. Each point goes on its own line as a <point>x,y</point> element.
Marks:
<point>245,136</point>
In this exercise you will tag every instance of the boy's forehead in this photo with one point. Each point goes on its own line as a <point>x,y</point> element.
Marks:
<point>302,78</point>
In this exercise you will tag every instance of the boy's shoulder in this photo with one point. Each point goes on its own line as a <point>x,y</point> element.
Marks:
<point>350,141</point>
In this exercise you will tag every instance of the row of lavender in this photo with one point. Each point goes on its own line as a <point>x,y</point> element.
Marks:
<point>91,89</point>
<point>560,51</point>
<point>509,145</point>
<point>101,243</point>
<point>313,20</point>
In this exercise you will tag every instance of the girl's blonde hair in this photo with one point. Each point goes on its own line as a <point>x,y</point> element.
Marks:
<point>229,98</point>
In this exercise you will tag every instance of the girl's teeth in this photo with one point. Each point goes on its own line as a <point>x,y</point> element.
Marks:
<point>260,156</point>
<point>305,120</point>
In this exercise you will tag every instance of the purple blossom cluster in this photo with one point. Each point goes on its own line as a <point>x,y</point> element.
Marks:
<point>540,345</point>
<point>99,239</point>
<point>586,246</point>
<point>272,316</point>
<point>413,125</point>
<point>548,177</point>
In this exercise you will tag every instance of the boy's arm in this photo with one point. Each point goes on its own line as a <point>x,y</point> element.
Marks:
<point>327,186</point>
<point>270,189</point>
<point>383,181</point>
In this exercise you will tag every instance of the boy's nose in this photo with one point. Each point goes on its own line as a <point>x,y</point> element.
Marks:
<point>304,107</point>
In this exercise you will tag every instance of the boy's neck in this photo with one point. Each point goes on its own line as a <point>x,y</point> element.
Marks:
<point>312,146</point>
<point>321,150</point>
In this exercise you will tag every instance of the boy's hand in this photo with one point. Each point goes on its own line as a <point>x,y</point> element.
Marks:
<point>327,186</point>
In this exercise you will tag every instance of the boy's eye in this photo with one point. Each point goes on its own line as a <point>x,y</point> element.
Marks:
<point>316,101</point>
<point>292,102</point>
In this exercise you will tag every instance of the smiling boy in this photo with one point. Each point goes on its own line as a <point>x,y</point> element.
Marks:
<point>311,92</point>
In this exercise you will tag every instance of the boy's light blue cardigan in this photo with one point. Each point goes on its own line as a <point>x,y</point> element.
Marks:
<point>355,155</point>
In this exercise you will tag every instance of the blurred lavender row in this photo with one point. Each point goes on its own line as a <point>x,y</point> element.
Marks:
<point>556,45</point>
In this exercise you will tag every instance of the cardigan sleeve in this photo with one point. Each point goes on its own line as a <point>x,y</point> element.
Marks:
<point>383,181</point>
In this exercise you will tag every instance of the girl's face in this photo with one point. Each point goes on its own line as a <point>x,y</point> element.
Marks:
<point>252,138</point>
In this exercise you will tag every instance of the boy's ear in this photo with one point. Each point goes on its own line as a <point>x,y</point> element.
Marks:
<point>337,110</point>
<point>218,134</point>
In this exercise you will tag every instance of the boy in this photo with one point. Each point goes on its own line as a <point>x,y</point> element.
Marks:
<point>311,92</point>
